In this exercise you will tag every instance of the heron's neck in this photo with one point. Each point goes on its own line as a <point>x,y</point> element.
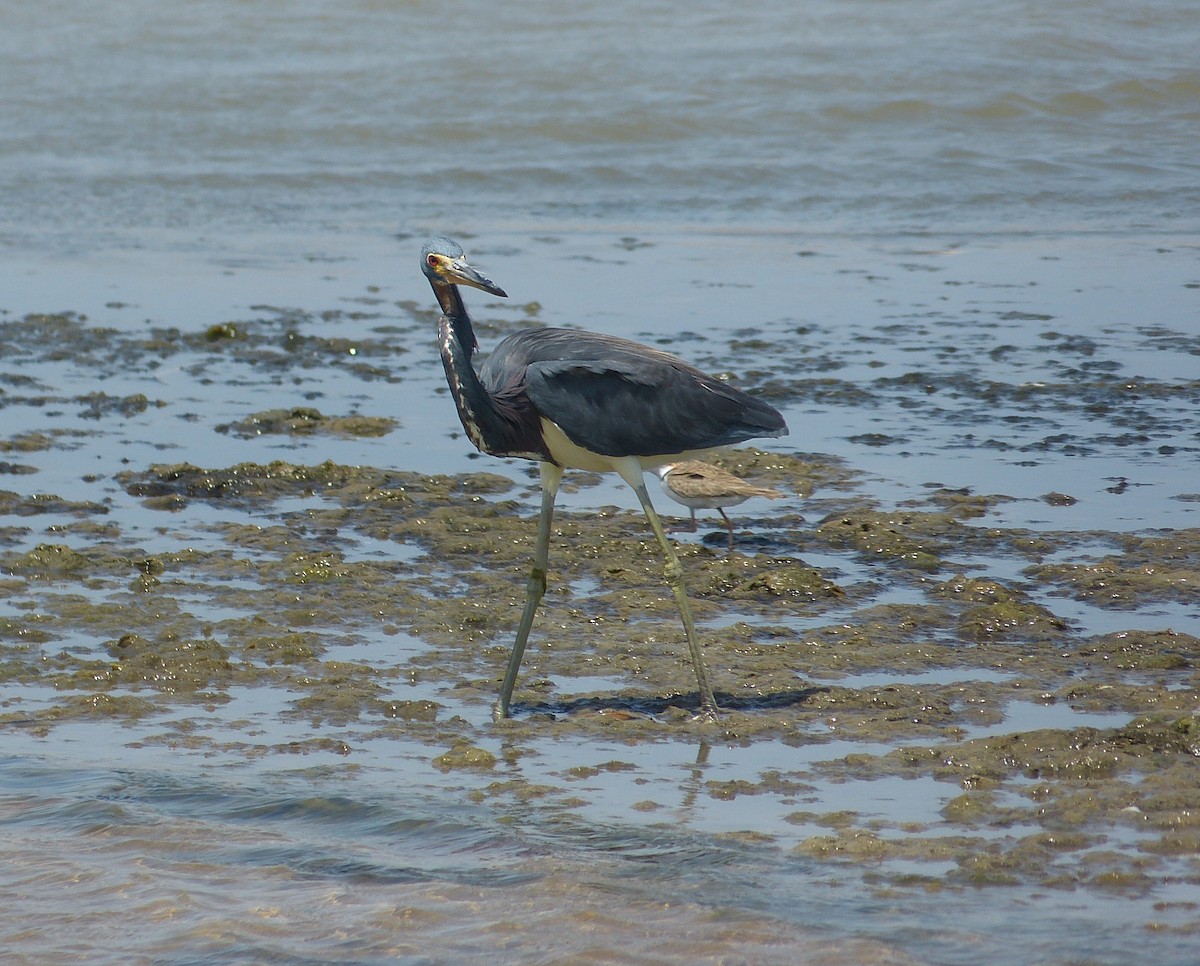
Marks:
<point>475,407</point>
<point>454,309</point>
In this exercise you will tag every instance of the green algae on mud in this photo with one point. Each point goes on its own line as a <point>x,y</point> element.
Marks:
<point>255,481</point>
<point>997,609</point>
<point>1152,567</point>
<point>305,420</point>
<point>483,548</point>
<point>899,638</point>
<point>1077,788</point>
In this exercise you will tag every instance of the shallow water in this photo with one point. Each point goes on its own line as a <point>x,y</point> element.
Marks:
<point>250,722</point>
<point>278,814</point>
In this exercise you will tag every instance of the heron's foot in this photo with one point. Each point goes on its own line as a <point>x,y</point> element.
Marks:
<point>707,712</point>
<point>500,712</point>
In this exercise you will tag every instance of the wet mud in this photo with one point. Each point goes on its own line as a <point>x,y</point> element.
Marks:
<point>916,632</point>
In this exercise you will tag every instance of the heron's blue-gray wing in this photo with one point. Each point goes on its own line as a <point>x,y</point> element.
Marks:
<point>646,405</point>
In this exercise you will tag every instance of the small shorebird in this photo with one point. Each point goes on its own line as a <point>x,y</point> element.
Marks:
<point>700,486</point>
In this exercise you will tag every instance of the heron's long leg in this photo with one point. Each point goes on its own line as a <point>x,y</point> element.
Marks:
<point>551,477</point>
<point>631,472</point>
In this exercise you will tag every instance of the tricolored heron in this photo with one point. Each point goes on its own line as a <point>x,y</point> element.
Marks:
<point>701,486</point>
<point>569,398</point>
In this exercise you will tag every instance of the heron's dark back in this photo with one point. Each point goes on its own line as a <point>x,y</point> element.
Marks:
<point>619,398</point>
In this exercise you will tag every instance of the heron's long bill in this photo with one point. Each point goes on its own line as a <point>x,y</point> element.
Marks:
<point>464,274</point>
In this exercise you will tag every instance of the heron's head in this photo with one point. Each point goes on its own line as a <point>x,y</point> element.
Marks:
<point>444,262</point>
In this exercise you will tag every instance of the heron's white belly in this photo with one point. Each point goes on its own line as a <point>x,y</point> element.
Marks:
<point>573,456</point>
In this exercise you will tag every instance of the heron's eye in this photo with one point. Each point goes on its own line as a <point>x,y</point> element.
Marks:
<point>432,260</point>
